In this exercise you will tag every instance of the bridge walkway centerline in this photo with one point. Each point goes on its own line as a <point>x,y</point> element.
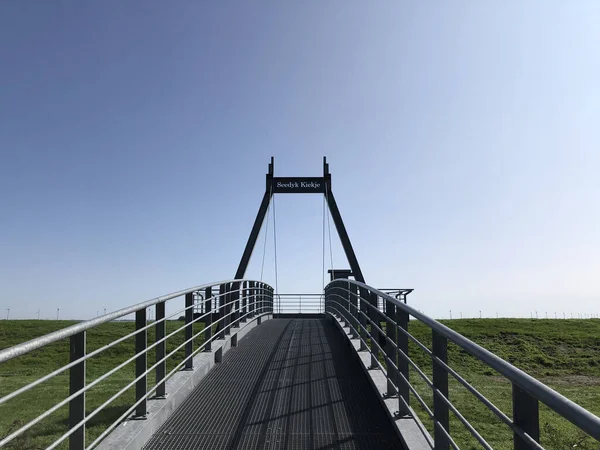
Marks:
<point>289,384</point>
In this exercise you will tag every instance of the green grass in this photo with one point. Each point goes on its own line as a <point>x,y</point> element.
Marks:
<point>20,371</point>
<point>565,354</point>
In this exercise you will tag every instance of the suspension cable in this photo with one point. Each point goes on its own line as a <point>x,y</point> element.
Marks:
<point>275,245</point>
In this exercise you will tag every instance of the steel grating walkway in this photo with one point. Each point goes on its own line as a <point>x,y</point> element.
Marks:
<point>290,384</point>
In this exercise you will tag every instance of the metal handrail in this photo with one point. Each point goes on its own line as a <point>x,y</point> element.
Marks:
<point>113,343</point>
<point>243,299</point>
<point>124,389</point>
<point>292,303</point>
<point>569,410</point>
<point>428,382</point>
<point>72,330</point>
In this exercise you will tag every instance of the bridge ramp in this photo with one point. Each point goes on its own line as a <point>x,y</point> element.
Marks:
<point>289,384</point>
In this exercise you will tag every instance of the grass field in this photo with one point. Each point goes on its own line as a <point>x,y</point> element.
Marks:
<point>565,354</point>
<point>23,370</point>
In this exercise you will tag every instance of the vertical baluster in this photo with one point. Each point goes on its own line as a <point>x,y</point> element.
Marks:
<point>221,313</point>
<point>244,300</point>
<point>160,331</point>
<point>237,294</point>
<point>363,318</point>
<point>252,300</point>
<point>354,311</point>
<point>526,415</point>
<point>189,317</point>
<point>261,305</point>
<point>347,313</point>
<point>141,362</point>
<point>208,320</point>
<point>375,319</point>
<point>402,320</point>
<point>227,321</point>
<point>390,351</point>
<point>440,384</point>
<point>77,382</point>
<point>259,294</point>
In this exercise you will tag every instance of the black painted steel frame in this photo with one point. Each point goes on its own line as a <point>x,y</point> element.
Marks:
<point>335,214</point>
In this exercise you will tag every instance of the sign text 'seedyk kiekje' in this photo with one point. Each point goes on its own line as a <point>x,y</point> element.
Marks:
<point>301,184</point>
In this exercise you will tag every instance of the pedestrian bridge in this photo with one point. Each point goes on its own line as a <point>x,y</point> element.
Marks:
<point>262,370</point>
<point>290,383</point>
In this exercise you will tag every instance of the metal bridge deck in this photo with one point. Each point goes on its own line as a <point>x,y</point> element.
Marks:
<point>290,384</point>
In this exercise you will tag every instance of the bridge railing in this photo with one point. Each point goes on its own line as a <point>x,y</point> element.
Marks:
<point>384,333</point>
<point>223,305</point>
<point>299,303</point>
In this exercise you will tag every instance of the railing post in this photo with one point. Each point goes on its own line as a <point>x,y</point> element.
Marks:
<point>227,320</point>
<point>440,384</point>
<point>259,294</point>
<point>526,415</point>
<point>402,319</point>
<point>221,313</point>
<point>160,331</point>
<point>261,298</point>
<point>256,298</point>
<point>244,300</point>
<point>189,317</point>
<point>251,300</point>
<point>208,319</point>
<point>354,311</point>
<point>363,318</point>
<point>348,314</point>
<point>76,383</point>
<point>270,300</point>
<point>141,363</point>
<point>266,294</point>
<point>375,316</point>
<point>390,351</point>
<point>264,298</point>
<point>236,294</point>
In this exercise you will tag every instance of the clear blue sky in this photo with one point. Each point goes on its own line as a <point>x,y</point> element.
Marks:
<point>463,139</point>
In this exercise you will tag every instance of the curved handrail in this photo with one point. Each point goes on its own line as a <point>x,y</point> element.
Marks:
<point>568,409</point>
<point>28,346</point>
<point>238,301</point>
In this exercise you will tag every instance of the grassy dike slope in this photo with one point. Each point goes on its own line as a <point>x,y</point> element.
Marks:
<point>23,370</point>
<point>565,354</point>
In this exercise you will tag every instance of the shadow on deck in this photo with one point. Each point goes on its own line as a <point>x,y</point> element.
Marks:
<point>290,384</point>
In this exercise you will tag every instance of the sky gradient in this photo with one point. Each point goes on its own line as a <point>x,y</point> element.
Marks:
<point>463,141</point>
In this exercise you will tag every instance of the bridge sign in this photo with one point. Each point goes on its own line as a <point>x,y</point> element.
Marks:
<point>299,185</point>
